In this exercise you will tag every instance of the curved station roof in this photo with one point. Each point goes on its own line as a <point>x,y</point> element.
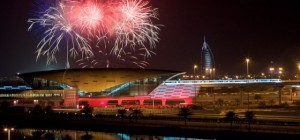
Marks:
<point>93,80</point>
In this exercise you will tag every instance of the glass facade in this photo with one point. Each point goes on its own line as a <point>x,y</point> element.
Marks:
<point>106,87</point>
<point>139,87</point>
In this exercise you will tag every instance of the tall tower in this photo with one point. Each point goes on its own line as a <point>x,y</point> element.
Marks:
<point>207,61</point>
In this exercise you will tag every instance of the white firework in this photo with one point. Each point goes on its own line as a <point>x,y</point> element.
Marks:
<point>59,32</point>
<point>135,29</point>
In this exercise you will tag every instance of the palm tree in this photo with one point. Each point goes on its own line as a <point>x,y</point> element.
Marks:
<point>230,116</point>
<point>37,109</point>
<point>67,137</point>
<point>249,116</point>
<point>48,109</point>
<point>136,113</point>
<point>49,136</point>
<point>36,135</point>
<point>87,136</point>
<point>86,111</point>
<point>184,112</point>
<point>121,113</point>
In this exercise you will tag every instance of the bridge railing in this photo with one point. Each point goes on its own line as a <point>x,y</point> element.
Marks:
<point>15,87</point>
<point>235,81</point>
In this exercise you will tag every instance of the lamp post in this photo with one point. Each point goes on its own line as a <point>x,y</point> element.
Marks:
<point>8,131</point>
<point>271,70</point>
<point>247,62</point>
<point>152,103</point>
<point>214,74</point>
<point>195,67</point>
<point>280,71</point>
<point>299,70</point>
<point>210,73</point>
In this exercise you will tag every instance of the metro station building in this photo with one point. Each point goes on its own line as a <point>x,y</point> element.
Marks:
<point>98,88</point>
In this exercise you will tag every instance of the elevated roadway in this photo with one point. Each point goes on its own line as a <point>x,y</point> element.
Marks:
<point>235,82</point>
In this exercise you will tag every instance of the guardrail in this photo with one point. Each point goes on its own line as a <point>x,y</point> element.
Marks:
<point>15,87</point>
<point>236,81</point>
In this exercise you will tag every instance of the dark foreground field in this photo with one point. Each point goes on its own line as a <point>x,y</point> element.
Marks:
<point>151,126</point>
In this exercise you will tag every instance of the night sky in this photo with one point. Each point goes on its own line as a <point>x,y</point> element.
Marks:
<point>263,30</point>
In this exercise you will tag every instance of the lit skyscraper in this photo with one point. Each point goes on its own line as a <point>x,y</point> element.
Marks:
<point>207,61</point>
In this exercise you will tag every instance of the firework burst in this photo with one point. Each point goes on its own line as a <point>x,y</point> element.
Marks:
<point>58,32</point>
<point>121,29</point>
<point>135,28</point>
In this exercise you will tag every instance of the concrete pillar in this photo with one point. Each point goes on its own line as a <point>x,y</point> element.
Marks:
<point>141,102</point>
<point>188,101</point>
<point>163,102</point>
<point>241,93</point>
<point>119,102</point>
<point>292,93</point>
<point>279,94</point>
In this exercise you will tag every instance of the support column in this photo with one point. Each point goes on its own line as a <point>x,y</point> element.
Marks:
<point>141,102</point>
<point>214,98</point>
<point>279,94</point>
<point>212,91</point>
<point>293,92</point>
<point>241,93</point>
<point>163,102</point>
<point>188,101</point>
<point>119,102</point>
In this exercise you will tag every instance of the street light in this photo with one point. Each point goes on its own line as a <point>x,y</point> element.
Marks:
<point>247,62</point>
<point>280,71</point>
<point>214,73</point>
<point>271,70</point>
<point>7,129</point>
<point>298,71</point>
<point>210,73</point>
<point>262,75</point>
<point>195,67</point>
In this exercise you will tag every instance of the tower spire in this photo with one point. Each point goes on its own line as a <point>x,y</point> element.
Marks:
<point>204,43</point>
<point>207,60</point>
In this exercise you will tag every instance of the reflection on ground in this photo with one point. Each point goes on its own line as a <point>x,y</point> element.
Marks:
<point>46,134</point>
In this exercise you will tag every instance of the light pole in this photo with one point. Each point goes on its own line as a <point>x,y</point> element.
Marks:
<point>280,72</point>
<point>214,73</point>
<point>299,70</point>
<point>271,70</point>
<point>152,103</point>
<point>247,62</point>
<point>195,67</point>
<point>8,131</point>
<point>210,73</point>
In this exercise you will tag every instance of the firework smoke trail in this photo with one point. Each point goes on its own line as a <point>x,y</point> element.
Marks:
<point>123,27</point>
<point>104,59</point>
<point>58,32</point>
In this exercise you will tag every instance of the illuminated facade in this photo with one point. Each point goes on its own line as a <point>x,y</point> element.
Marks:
<point>207,61</point>
<point>99,88</point>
